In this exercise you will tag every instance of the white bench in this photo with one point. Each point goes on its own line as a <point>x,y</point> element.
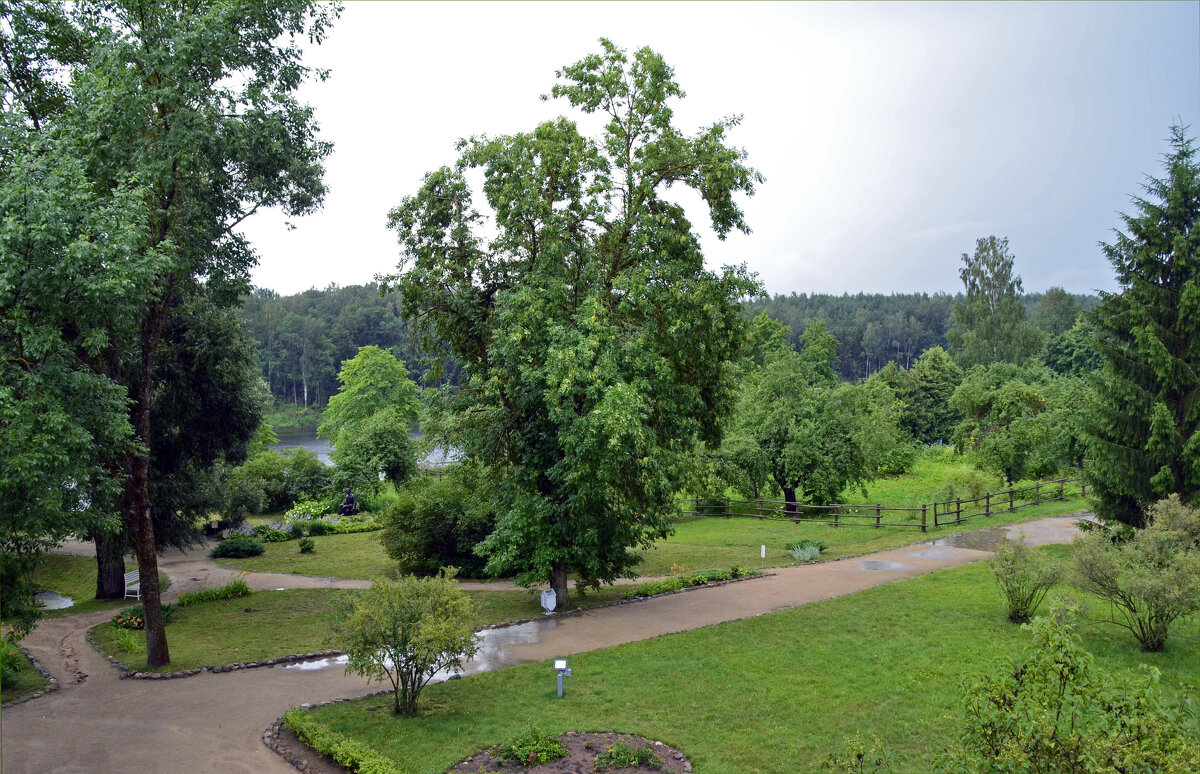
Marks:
<point>133,584</point>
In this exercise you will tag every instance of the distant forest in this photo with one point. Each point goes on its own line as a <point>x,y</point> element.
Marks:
<point>302,339</point>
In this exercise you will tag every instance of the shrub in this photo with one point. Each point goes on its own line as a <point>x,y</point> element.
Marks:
<point>307,545</point>
<point>357,757</point>
<point>128,641</point>
<point>683,581</point>
<point>859,759</point>
<point>238,547</point>
<point>1024,578</point>
<point>233,589</point>
<point>1057,711</point>
<point>533,747</point>
<point>805,550</point>
<point>309,508</point>
<point>405,631</point>
<point>275,532</point>
<point>135,617</point>
<point>12,661</point>
<point>434,524</point>
<point>1150,580</point>
<point>317,527</point>
<point>622,756</point>
<point>897,460</point>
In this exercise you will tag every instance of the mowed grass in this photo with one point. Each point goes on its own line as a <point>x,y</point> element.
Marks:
<point>359,555</point>
<point>269,624</point>
<point>75,577</point>
<point>24,682</point>
<point>776,693</point>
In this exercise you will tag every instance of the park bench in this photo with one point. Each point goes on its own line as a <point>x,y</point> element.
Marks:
<point>133,584</point>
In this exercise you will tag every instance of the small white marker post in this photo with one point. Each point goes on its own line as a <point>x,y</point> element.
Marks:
<point>763,556</point>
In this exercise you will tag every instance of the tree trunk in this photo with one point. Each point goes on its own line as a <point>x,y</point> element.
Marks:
<point>558,582</point>
<point>110,566</point>
<point>137,502</point>
<point>789,497</point>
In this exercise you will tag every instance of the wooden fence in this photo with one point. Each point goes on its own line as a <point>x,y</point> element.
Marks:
<point>858,514</point>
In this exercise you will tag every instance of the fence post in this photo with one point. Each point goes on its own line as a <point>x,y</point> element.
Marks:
<point>957,511</point>
<point>1082,488</point>
<point>1037,493</point>
<point>935,521</point>
<point>1062,488</point>
<point>835,516</point>
<point>923,528</point>
<point>1010,498</point>
<point>987,505</point>
<point>877,507</point>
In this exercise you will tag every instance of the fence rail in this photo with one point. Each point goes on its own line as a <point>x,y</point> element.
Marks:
<point>849,514</point>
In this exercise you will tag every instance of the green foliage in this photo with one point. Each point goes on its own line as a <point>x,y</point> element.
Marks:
<point>857,758</point>
<point>271,481</point>
<point>1144,427</point>
<point>598,350</point>
<point>1058,711</point>
<point>437,523</point>
<point>237,547</point>
<point>1073,352</point>
<point>12,662</point>
<point>307,545</point>
<point>232,589</point>
<point>621,756</point>
<point>134,618</point>
<point>805,550</point>
<point>990,323</point>
<point>128,640</point>
<point>684,580</point>
<point>928,413</point>
<point>405,631</point>
<point>533,747</point>
<point>1150,580</point>
<point>356,756</point>
<point>808,433</point>
<point>1024,578</point>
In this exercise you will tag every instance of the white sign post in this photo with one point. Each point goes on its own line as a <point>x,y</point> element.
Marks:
<point>763,555</point>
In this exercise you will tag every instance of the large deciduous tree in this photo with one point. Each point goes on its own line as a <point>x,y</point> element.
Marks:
<point>1143,439</point>
<point>990,323</point>
<point>597,347</point>
<point>185,115</point>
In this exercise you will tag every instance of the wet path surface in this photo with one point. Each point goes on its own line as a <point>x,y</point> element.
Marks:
<point>213,722</point>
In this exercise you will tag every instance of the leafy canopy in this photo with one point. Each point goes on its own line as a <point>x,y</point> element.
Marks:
<point>597,348</point>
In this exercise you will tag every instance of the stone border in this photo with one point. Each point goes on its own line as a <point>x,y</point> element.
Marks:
<point>271,736</point>
<point>37,665</point>
<point>36,694</point>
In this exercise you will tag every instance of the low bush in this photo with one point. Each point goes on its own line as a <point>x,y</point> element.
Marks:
<point>622,756</point>
<point>805,550</point>
<point>128,640</point>
<point>307,545</point>
<point>11,662</point>
<point>860,759</point>
<point>275,532</point>
<point>205,593</point>
<point>237,547</point>
<point>317,527</point>
<point>357,757</point>
<point>1024,578</point>
<point>683,581</point>
<point>534,747</point>
<point>135,617</point>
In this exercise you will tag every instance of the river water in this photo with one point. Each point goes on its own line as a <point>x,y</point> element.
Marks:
<point>306,438</point>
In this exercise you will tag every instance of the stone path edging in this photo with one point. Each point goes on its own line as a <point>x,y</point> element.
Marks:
<point>38,666</point>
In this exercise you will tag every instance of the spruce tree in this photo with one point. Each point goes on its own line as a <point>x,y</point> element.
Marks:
<point>1142,434</point>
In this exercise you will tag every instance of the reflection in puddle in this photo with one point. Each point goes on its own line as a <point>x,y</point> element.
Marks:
<point>878,565</point>
<point>990,539</point>
<point>494,650</point>
<point>51,601</point>
<point>930,553</point>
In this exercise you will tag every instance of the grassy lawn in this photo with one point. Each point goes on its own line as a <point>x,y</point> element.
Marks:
<point>268,624</point>
<point>75,577</point>
<point>697,545</point>
<point>25,682</point>
<point>776,693</point>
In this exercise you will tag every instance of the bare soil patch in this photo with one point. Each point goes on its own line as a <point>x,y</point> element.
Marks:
<point>582,749</point>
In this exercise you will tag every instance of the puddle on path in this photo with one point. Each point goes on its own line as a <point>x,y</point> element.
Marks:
<point>930,553</point>
<point>51,601</point>
<point>990,539</point>
<point>878,565</point>
<point>494,650</point>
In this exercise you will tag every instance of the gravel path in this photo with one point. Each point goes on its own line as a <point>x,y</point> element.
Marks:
<point>97,723</point>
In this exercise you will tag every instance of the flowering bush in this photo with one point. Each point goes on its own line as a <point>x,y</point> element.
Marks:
<point>531,748</point>
<point>135,618</point>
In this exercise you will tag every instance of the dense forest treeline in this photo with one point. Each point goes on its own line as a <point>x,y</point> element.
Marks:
<point>302,339</point>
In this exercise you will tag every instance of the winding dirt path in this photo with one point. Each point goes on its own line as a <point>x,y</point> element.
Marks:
<point>97,723</point>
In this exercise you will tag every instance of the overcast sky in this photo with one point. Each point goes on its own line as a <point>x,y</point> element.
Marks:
<point>891,135</point>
